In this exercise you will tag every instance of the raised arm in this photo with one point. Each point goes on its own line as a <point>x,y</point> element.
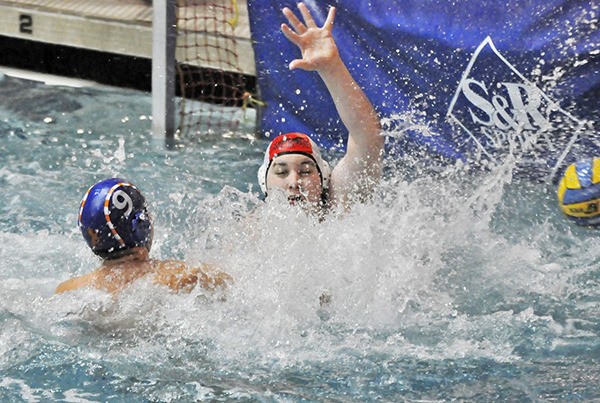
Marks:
<point>360,168</point>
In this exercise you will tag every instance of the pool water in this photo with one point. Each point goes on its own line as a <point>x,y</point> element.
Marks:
<point>447,286</point>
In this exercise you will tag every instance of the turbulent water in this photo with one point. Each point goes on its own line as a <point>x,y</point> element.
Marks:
<point>447,285</point>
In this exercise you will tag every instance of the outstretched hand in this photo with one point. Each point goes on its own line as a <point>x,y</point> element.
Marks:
<point>316,43</point>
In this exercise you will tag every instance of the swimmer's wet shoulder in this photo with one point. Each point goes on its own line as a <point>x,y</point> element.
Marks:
<point>87,280</point>
<point>174,274</point>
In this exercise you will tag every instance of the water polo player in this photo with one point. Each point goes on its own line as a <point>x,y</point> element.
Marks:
<point>293,163</point>
<point>115,222</point>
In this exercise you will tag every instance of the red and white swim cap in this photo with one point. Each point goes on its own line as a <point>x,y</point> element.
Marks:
<point>293,143</point>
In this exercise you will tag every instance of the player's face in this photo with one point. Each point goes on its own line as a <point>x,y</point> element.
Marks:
<point>298,176</point>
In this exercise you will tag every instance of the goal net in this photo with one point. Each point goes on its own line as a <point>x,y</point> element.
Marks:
<point>215,68</point>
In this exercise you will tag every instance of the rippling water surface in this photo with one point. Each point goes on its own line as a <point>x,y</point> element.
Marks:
<point>452,285</point>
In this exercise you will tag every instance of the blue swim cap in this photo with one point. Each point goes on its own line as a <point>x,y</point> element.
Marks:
<point>579,192</point>
<point>113,218</point>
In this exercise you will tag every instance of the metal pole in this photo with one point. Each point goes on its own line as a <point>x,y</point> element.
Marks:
<point>164,37</point>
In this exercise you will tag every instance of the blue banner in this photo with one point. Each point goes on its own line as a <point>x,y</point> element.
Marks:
<point>471,80</point>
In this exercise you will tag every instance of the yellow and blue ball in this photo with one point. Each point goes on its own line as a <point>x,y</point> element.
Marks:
<point>579,192</point>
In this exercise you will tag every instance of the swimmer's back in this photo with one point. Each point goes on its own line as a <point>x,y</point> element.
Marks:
<point>174,274</point>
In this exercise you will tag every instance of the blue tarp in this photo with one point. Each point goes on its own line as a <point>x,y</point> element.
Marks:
<point>464,79</point>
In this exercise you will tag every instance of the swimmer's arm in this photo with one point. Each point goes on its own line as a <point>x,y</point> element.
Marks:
<point>363,157</point>
<point>359,171</point>
<point>211,279</point>
<point>180,277</point>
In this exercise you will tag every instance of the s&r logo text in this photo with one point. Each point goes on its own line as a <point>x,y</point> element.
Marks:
<point>500,109</point>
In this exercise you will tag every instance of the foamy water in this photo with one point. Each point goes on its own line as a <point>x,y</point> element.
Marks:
<point>453,285</point>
